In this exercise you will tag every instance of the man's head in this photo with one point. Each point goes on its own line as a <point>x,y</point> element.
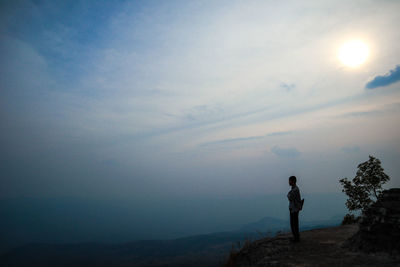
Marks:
<point>292,180</point>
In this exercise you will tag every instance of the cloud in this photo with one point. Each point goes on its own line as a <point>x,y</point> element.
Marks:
<point>232,140</point>
<point>290,152</point>
<point>288,87</point>
<point>362,113</point>
<point>279,133</point>
<point>385,80</point>
<point>249,138</point>
<point>203,112</point>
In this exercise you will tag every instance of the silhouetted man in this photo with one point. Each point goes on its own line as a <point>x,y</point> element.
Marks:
<point>294,208</point>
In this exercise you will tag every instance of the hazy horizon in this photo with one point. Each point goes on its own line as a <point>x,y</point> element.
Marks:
<point>78,220</point>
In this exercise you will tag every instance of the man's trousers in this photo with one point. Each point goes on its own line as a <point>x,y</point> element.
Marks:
<point>294,225</point>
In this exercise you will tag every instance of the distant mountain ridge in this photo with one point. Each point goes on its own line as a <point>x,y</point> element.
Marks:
<point>266,224</point>
<point>272,225</point>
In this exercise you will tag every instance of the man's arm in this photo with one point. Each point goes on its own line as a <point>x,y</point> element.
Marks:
<point>298,197</point>
<point>292,195</point>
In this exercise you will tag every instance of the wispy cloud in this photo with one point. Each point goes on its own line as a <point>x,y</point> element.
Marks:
<point>382,110</point>
<point>232,140</point>
<point>385,80</point>
<point>288,86</point>
<point>243,139</point>
<point>290,152</point>
<point>362,113</point>
<point>280,133</point>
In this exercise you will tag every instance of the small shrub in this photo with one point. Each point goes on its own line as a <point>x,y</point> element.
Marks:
<point>366,186</point>
<point>231,262</point>
<point>232,257</point>
<point>350,219</point>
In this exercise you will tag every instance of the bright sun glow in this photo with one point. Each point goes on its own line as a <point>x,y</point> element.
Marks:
<point>353,53</point>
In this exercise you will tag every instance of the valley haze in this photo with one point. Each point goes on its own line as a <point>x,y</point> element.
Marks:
<point>73,220</point>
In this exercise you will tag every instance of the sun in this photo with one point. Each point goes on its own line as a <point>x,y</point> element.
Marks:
<point>353,53</point>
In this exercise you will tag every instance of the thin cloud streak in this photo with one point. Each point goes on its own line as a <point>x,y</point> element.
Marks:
<point>232,140</point>
<point>285,152</point>
<point>243,139</point>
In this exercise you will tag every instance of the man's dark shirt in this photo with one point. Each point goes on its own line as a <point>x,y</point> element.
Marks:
<point>294,199</point>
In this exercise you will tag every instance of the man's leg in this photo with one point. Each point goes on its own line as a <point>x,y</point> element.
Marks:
<point>292,224</point>
<point>296,226</point>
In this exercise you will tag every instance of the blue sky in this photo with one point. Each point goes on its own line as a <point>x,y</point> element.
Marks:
<point>112,98</point>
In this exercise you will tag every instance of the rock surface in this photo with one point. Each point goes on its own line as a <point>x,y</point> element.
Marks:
<point>380,225</point>
<point>320,247</point>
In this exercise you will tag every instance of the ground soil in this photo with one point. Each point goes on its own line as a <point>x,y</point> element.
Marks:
<point>319,247</point>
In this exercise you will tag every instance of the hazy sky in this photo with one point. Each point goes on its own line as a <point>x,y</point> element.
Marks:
<point>119,98</point>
